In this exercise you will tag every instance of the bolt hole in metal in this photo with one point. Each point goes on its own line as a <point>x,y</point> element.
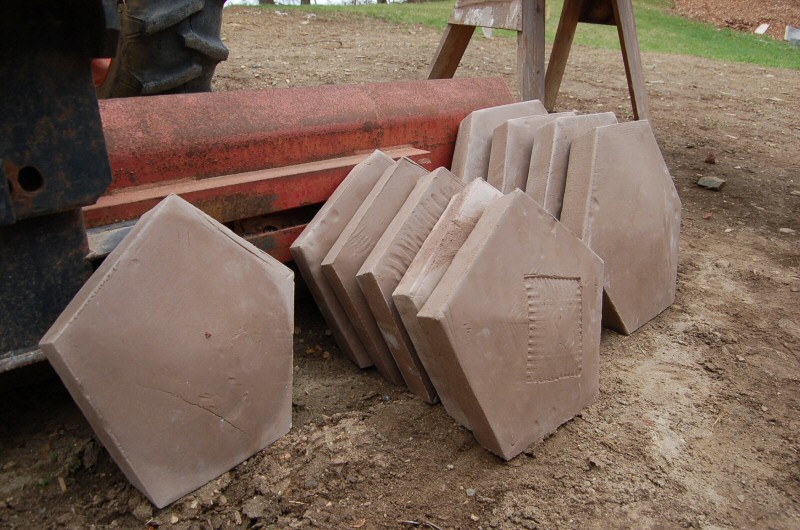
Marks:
<point>30,179</point>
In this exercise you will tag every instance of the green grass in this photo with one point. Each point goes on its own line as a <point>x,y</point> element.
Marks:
<point>659,31</point>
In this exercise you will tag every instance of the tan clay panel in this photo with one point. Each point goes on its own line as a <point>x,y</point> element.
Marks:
<point>316,240</point>
<point>512,144</point>
<point>474,142</point>
<point>350,251</point>
<point>428,267</point>
<point>548,169</point>
<point>178,351</point>
<point>621,201</point>
<point>515,324</point>
<point>386,265</point>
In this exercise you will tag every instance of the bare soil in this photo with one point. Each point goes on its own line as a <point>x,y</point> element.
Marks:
<point>697,424</point>
<point>744,15</point>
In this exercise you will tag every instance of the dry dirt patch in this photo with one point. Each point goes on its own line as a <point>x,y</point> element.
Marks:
<point>744,15</point>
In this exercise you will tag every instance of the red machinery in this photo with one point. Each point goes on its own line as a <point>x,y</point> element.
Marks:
<point>260,161</point>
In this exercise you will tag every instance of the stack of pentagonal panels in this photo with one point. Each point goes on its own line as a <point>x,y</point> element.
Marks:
<point>475,292</point>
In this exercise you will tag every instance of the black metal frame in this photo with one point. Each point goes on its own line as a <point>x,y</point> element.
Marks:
<point>53,160</point>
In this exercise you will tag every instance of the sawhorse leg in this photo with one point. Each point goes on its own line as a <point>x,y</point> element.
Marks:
<point>530,51</point>
<point>567,24</point>
<point>629,43</point>
<point>450,51</point>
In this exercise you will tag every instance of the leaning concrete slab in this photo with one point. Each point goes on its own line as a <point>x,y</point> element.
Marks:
<point>178,350</point>
<point>316,240</point>
<point>512,143</point>
<point>428,267</point>
<point>621,201</point>
<point>386,265</point>
<point>474,141</point>
<point>350,251</point>
<point>550,155</point>
<point>515,324</point>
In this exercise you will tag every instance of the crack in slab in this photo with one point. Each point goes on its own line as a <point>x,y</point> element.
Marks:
<point>223,418</point>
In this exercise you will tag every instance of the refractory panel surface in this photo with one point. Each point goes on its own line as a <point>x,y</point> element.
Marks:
<point>178,351</point>
<point>515,322</point>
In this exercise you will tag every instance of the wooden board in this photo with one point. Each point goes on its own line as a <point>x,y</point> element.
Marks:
<point>502,14</point>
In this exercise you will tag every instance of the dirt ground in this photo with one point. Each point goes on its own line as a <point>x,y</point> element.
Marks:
<point>744,15</point>
<point>697,424</point>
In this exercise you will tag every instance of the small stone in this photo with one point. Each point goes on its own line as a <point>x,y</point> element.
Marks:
<point>795,289</point>
<point>173,519</point>
<point>450,467</point>
<point>740,358</point>
<point>470,492</point>
<point>255,508</point>
<point>711,183</point>
<point>596,463</point>
<point>711,158</point>
<point>792,35</point>
<point>728,230</point>
<point>764,408</point>
<point>722,264</point>
<point>787,231</point>
<point>474,517</point>
<point>708,216</point>
<point>795,193</point>
<point>740,498</point>
<point>91,453</point>
<point>143,512</point>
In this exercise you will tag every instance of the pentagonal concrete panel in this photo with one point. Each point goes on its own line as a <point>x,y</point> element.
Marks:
<point>474,141</point>
<point>350,251</point>
<point>512,144</point>
<point>316,240</point>
<point>178,351</point>
<point>550,155</point>
<point>515,322</point>
<point>621,201</point>
<point>386,265</point>
<point>428,267</point>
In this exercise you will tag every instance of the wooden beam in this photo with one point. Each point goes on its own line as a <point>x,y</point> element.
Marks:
<point>500,14</point>
<point>530,51</point>
<point>626,27</point>
<point>570,15</point>
<point>450,51</point>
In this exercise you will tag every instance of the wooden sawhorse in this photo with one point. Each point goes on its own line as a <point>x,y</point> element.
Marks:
<point>527,18</point>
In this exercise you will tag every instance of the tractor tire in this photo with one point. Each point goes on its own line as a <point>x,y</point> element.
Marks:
<point>165,47</point>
